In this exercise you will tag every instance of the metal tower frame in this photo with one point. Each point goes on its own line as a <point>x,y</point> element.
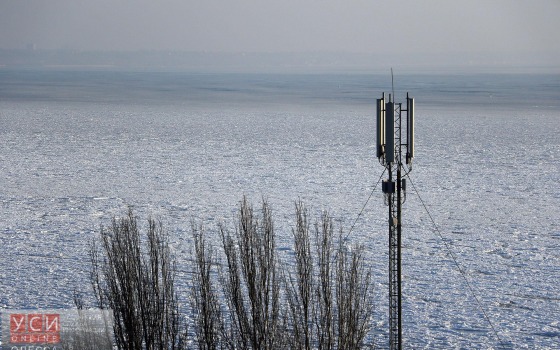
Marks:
<point>390,146</point>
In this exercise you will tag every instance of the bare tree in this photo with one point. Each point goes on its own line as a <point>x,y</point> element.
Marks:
<point>324,315</point>
<point>300,292</point>
<point>329,297</point>
<point>135,278</point>
<point>205,300</point>
<point>353,300</point>
<point>319,298</point>
<point>251,282</point>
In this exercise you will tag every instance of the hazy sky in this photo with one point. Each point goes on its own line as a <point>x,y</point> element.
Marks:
<point>530,29</point>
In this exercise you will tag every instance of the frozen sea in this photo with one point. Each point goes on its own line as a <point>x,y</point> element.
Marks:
<point>80,147</point>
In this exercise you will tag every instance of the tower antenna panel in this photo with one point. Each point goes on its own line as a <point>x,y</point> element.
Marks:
<point>380,126</point>
<point>410,129</point>
<point>390,132</point>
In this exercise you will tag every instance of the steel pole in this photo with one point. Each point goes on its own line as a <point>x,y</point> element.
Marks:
<point>399,275</point>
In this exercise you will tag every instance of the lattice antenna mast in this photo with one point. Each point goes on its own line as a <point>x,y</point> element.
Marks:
<point>395,143</point>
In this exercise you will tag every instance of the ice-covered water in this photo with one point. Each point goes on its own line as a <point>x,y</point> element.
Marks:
<point>79,147</point>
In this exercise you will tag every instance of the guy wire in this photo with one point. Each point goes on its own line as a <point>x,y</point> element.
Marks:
<point>456,262</point>
<point>365,204</point>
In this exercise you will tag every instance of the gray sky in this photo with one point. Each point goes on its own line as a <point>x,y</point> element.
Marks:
<point>526,29</point>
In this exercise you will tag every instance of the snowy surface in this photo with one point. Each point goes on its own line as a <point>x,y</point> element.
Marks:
<point>79,149</point>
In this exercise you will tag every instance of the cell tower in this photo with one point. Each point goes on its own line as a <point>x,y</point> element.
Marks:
<point>395,141</point>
